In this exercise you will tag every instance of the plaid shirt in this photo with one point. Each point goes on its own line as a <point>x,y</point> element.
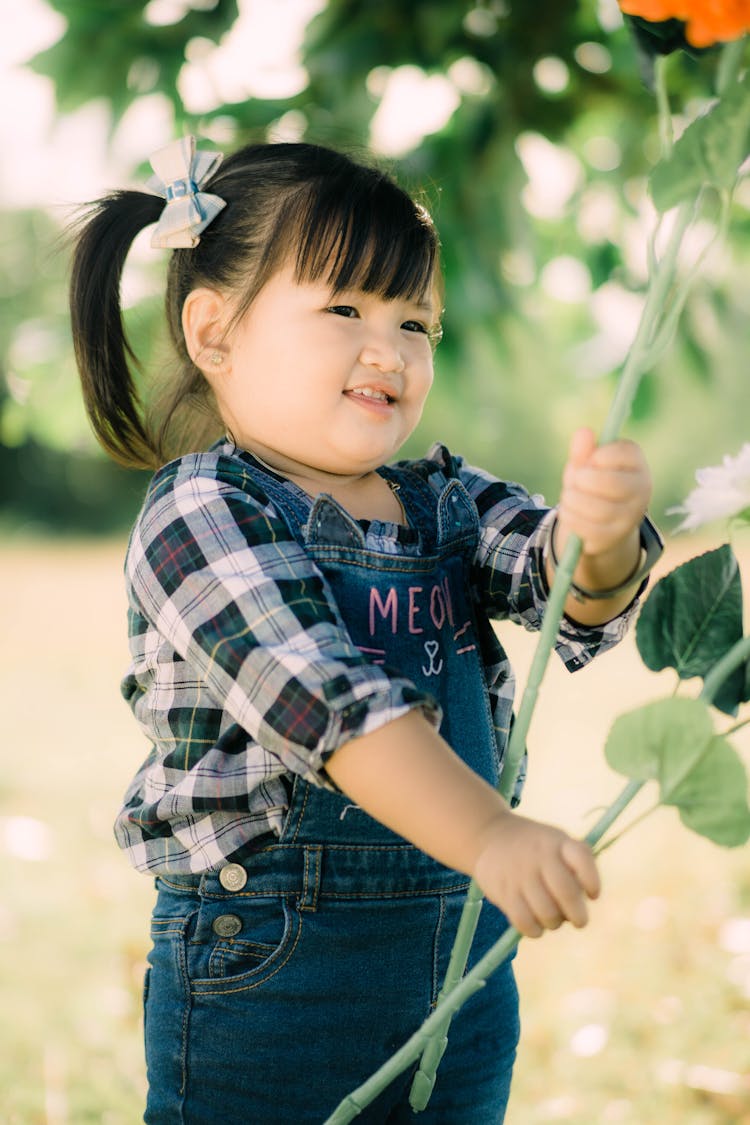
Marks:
<point>243,673</point>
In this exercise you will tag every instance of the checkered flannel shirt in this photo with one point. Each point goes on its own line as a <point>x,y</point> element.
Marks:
<point>243,673</point>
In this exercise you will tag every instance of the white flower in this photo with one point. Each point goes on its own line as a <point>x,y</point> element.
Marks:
<point>723,491</point>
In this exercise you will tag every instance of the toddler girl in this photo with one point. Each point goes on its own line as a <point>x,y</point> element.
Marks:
<point>312,658</point>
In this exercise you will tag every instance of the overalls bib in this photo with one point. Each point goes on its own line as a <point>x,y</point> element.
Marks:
<point>279,985</point>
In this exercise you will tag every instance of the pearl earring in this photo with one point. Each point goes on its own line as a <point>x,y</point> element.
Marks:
<point>216,359</point>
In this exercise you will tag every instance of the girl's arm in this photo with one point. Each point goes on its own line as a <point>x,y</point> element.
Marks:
<point>406,776</point>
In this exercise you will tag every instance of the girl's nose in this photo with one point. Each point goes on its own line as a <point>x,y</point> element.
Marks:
<point>382,354</point>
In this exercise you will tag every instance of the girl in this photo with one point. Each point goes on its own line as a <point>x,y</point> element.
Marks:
<point>312,660</point>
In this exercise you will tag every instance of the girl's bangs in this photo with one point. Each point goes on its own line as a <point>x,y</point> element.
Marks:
<point>374,239</point>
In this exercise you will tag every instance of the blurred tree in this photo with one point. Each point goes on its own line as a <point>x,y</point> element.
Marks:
<point>535,176</point>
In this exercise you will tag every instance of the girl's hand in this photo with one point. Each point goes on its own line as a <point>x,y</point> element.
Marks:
<point>605,493</point>
<point>407,777</point>
<point>536,874</point>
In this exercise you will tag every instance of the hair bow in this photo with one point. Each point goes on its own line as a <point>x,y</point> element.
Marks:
<point>180,171</point>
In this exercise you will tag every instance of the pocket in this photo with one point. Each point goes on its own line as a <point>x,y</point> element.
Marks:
<point>251,939</point>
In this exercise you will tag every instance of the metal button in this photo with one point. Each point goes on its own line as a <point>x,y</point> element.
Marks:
<point>233,877</point>
<point>227,925</point>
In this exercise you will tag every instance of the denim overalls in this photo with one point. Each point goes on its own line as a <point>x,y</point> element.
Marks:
<point>277,986</point>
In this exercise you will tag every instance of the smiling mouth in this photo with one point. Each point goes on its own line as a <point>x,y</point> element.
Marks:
<point>371,395</point>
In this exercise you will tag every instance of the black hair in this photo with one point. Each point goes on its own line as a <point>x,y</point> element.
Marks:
<point>334,218</point>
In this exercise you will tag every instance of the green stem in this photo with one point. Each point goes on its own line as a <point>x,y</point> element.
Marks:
<point>424,1079</point>
<point>638,356</point>
<point>626,828</point>
<point>356,1101</point>
<point>633,370</point>
<point>637,362</point>
<point>611,813</point>
<point>738,654</point>
<point>435,1025</point>
<point>666,129</point>
<point>730,62</point>
<point>635,365</point>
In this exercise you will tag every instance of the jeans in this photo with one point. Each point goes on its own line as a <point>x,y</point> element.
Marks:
<point>270,1009</point>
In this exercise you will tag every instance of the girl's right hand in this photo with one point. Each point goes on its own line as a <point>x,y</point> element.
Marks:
<point>407,777</point>
<point>536,874</point>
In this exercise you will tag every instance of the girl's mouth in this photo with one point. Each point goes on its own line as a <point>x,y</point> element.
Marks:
<point>371,397</point>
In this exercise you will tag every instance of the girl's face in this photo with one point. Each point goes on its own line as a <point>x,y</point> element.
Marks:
<point>333,383</point>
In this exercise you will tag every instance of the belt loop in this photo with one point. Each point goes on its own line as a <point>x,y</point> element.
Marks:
<point>311,886</point>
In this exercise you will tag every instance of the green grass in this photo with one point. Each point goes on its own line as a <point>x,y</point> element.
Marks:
<point>643,1018</point>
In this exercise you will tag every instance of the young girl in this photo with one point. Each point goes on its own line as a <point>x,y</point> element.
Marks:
<point>312,660</point>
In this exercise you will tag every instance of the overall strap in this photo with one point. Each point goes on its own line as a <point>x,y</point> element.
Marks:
<point>448,519</point>
<point>292,502</point>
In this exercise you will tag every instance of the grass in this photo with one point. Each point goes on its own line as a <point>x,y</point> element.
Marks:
<point>642,1018</point>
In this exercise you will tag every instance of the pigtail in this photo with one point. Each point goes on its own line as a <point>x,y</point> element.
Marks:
<point>103,354</point>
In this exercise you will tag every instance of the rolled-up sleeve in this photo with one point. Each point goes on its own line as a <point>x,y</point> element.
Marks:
<point>510,572</point>
<point>217,575</point>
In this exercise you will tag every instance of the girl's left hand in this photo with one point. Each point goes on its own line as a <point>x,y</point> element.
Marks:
<point>606,490</point>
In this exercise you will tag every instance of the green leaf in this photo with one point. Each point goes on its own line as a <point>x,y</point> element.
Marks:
<point>692,618</point>
<point>673,743</point>
<point>709,152</point>
<point>637,743</point>
<point>712,800</point>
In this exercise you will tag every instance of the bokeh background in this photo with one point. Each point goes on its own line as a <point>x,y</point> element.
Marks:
<point>530,129</point>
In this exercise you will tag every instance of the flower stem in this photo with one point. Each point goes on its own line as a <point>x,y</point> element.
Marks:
<point>611,813</point>
<point>424,1079</point>
<point>626,828</point>
<point>450,1001</point>
<point>635,366</point>
<point>738,654</point>
<point>633,370</point>
<point>730,62</point>
<point>432,1037</point>
<point>666,129</point>
<point>433,1029</point>
<point>356,1101</point>
<point>638,356</point>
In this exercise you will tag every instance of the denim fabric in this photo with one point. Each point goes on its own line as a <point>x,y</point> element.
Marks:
<point>277,1025</point>
<point>268,1003</point>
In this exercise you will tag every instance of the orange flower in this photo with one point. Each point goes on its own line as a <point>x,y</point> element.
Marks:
<point>706,21</point>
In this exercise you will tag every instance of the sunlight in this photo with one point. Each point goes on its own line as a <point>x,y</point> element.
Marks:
<point>432,99</point>
<point>554,174</point>
<point>258,58</point>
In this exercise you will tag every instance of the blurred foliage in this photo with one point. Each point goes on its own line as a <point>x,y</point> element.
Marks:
<point>522,362</point>
<point>126,56</point>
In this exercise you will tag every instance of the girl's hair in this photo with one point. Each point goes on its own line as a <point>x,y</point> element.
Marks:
<point>333,218</point>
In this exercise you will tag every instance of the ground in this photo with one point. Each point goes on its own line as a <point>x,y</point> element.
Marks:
<point>643,1018</point>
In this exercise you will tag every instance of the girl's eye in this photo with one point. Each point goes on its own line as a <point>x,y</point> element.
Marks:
<point>343,310</point>
<point>434,332</point>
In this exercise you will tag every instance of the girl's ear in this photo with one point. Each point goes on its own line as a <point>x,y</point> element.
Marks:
<point>204,317</point>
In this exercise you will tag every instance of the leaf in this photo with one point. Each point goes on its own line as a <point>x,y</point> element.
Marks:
<point>709,152</point>
<point>637,741</point>
<point>660,37</point>
<point>712,800</point>
<point>673,742</point>
<point>692,618</point>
